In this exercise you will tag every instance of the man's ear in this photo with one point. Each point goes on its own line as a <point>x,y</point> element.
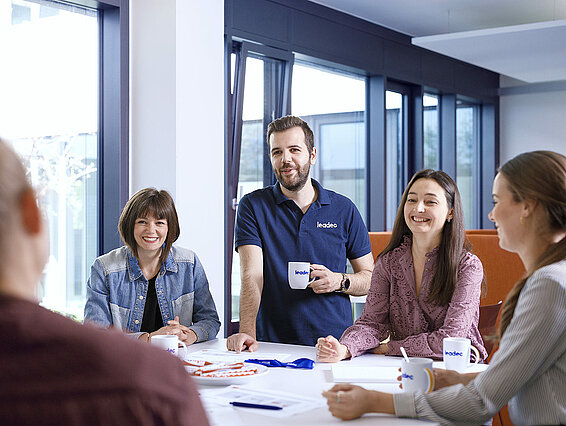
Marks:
<point>31,215</point>
<point>313,156</point>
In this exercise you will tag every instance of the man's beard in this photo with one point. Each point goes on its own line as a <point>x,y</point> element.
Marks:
<point>299,181</point>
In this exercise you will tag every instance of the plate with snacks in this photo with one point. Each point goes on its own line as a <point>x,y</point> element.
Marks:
<point>223,373</point>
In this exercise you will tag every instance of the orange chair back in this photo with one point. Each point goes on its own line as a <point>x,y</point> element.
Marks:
<point>502,269</point>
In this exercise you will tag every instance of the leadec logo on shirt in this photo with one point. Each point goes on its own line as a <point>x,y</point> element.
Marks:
<point>326,225</point>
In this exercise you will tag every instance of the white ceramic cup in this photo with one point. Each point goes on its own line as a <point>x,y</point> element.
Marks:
<point>170,343</point>
<point>456,353</point>
<point>416,375</point>
<point>298,274</point>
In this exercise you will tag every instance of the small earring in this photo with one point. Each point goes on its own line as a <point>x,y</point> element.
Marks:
<point>448,220</point>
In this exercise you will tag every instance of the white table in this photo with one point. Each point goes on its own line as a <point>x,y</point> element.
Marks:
<point>309,383</point>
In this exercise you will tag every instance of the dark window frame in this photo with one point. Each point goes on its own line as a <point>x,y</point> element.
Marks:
<point>113,116</point>
<point>234,102</point>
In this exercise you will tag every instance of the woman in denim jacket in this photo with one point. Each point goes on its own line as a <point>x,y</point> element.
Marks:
<point>149,287</point>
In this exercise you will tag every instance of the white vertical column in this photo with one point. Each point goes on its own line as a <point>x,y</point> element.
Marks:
<point>152,95</point>
<point>177,119</point>
<point>200,136</point>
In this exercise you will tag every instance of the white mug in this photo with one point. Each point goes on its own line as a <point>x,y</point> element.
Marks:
<point>170,343</point>
<point>298,274</point>
<point>456,353</point>
<point>416,375</point>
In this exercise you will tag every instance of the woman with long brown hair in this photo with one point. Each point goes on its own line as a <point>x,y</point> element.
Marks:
<point>426,284</point>
<point>528,372</point>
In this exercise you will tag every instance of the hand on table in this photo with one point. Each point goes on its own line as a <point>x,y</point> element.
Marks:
<point>443,378</point>
<point>174,327</point>
<point>329,349</point>
<point>381,349</point>
<point>327,281</point>
<point>348,402</point>
<point>241,341</point>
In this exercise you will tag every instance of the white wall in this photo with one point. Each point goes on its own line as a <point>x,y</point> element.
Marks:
<point>531,121</point>
<point>152,95</point>
<point>177,119</point>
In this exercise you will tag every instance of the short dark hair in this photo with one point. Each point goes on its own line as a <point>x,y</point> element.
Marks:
<point>145,202</point>
<point>288,122</point>
<point>453,242</point>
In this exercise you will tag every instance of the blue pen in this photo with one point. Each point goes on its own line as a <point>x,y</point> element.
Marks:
<point>249,405</point>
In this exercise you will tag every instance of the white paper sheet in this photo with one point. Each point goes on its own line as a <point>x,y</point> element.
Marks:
<point>231,356</point>
<point>291,403</point>
<point>220,415</point>
<point>365,374</point>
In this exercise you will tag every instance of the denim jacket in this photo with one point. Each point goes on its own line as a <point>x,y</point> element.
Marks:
<point>117,290</point>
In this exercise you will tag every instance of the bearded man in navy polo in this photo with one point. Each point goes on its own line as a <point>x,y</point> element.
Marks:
<point>297,220</point>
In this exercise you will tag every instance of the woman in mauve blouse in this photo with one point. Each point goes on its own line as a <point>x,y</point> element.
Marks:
<point>425,286</point>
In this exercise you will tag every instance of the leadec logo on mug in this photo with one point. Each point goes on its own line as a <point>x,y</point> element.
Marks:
<point>416,375</point>
<point>456,351</point>
<point>298,275</point>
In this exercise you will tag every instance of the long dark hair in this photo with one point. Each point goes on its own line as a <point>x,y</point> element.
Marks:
<point>453,244</point>
<point>149,201</point>
<point>538,176</point>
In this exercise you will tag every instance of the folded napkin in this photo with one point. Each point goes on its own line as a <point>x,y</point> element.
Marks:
<point>305,363</point>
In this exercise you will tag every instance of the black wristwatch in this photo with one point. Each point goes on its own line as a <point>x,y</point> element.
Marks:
<point>345,283</point>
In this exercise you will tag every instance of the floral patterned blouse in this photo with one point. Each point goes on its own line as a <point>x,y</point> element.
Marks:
<point>393,308</point>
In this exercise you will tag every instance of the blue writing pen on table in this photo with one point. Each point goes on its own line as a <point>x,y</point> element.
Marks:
<point>250,405</point>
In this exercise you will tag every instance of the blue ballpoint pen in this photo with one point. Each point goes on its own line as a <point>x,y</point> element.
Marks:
<point>249,405</point>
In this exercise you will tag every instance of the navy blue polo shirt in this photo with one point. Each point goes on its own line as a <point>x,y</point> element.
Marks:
<point>329,233</point>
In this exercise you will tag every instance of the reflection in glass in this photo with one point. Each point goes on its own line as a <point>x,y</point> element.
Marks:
<point>49,111</point>
<point>467,139</point>
<point>431,135</point>
<point>395,152</point>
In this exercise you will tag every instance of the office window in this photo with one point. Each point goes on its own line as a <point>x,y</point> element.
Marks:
<point>431,132</point>
<point>262,97</point>
<point>333,104</point>
<point>49,112</point>
<point>396,151</point>
<point>467,146</point>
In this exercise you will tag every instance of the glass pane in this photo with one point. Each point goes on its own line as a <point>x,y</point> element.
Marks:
<point>262,80</point>
<point>394,140</point>
<point>333,104</point>
<point>467,139</point>
<point>49,111</point>
<point>431,123</point>
<point>233,59</point>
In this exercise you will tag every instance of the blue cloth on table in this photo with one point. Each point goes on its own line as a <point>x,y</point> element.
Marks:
<point>305,363</point>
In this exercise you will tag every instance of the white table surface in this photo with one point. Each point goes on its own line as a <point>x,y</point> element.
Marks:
<point>309,383</point>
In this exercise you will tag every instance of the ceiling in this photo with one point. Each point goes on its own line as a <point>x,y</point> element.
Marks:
<point>522,39</point>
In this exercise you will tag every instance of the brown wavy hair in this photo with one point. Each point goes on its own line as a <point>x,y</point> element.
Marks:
<point>453,244</point>
<point>146,202</point>
<point>538,176</point>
